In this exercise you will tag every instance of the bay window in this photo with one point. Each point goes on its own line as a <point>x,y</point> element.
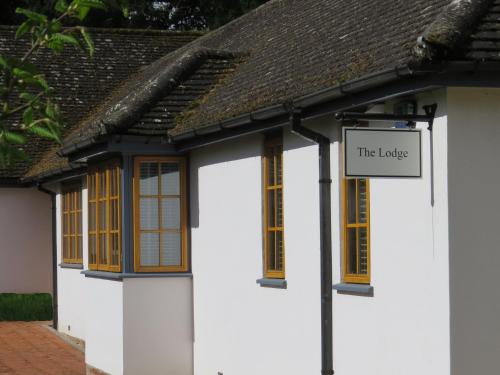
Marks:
<point>160,214</point>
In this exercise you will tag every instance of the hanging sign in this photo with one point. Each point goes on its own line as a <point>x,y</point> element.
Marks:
<point>390,153</point>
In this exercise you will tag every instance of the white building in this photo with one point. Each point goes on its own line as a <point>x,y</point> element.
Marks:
<point>204,224</point>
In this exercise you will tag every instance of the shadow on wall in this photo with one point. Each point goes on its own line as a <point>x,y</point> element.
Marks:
<point>474,216</point>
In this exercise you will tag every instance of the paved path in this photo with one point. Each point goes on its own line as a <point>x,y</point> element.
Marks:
<point>32,349</point>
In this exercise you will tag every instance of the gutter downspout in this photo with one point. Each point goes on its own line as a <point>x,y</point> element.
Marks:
<point>325,212</point>
<point>55,315</point>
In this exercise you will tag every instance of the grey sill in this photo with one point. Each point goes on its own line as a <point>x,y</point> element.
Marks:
<point>102,275</point>
<point>355,289</point>
<point>144,275</point>
<point>71,265</point>
<point>272,283</point>
<point>120,276</point>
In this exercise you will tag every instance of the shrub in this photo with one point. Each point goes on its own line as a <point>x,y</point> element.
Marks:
<point>25,307</point>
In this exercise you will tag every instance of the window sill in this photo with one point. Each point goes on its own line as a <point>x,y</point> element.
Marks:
<point>272,283</point>
<point>120,276</point>
<point>354,289</point>
<point>75,266</point>
<point>102,275</point>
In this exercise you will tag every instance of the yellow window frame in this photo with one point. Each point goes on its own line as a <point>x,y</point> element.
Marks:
<point>94,177</point>
<point>71,208</point>
<point>181,161</point>
<point>270,144</point>
<point>347,277</point>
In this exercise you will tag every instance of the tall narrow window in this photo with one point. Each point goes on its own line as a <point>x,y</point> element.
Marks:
<point>160,212</point>
<point>274,248</point>
<point>72,223</point>
<point>104,216</point>
<point>356,259</point>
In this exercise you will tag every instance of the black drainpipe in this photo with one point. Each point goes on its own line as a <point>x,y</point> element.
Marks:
<point>325,228</point>
<point>55,316</point>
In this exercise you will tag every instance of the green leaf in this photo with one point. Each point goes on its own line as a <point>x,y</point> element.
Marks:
<point>50,110</point>
<point>22,74</point>
<point>41,18</point>
<point>92,4</point>
<point>88,40</point>
<point>23,28</point>
<point>27,96</point>
<point>4,63</point>
<point>14,137</point>
<point>28,116</point>
<point>66,38</point>
<point>56,45</point>
<point>44,132</point>
<point>61,6</point>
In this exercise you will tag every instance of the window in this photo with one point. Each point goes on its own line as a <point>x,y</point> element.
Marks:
<point>104,216</point>
<point>356,259</point>
<point>160,212</point>
<point>72,224</point>
<point>274,249</point>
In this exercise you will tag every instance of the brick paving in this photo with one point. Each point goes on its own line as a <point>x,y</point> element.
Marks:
<point>32,349</point>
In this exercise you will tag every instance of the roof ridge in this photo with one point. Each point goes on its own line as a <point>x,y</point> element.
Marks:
<point>450,27</point>
<point>145,89</point>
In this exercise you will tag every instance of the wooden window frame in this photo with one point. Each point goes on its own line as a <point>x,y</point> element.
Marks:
<point>347,277</point>
<point>95,171</point>
<point>181,161</point>
<point>70,192</point>
<point>269,144</point>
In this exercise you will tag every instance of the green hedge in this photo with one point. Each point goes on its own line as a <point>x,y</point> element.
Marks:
<point>25,307</point>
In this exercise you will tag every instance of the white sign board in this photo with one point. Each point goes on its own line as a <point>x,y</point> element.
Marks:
<point>390,153</point>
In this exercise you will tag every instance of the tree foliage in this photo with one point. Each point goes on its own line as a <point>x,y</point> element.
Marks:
<point>159,14</point>
<point>24,92</point>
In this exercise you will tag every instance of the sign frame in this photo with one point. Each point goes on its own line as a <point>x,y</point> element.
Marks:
<point>368,129</point>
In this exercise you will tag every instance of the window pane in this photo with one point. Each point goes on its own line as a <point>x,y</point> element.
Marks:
<point>271,208</point>
<point>279,207</point>
<point>79,222</point>
<point>148,208</point>
<point>102,216</point>
<point>114,181</point>
<point>114,249</point>
<point>351,201</point>
<point>271,251</point>
<point>92,216</point>
<point>363,250</point>
<point>351,251</point>
<point>78,200</point>
<point>171,249</point>
<point>170,179</point>
<point>150,249</point>
<point>72,223</point>
<point>72,250</point>
<point>278,151</point>
<point>80,247</point>
<point>113,211</point>
<point>65,223</point>
<point>362,201</point>
<point>65,246</point>
<point>270,168</point>
<point>91,182</point>
<point>92,249</point>
<point>279,251</point>
<point>171,213</point>
<point>103,249</point>
<point>102,185</point>
<point>148,184</point>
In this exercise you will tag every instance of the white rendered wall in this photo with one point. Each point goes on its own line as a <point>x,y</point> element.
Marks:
<point>240,327</point>
<point>404,327</point>
<point>25,241</point>
<point>71,283</point>
<point>158,326</point>
<point>474,180</point>
<point>104,325</point>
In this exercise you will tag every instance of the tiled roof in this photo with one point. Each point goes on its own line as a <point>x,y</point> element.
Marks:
<point>81,83</point>
<point>287,49</point>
